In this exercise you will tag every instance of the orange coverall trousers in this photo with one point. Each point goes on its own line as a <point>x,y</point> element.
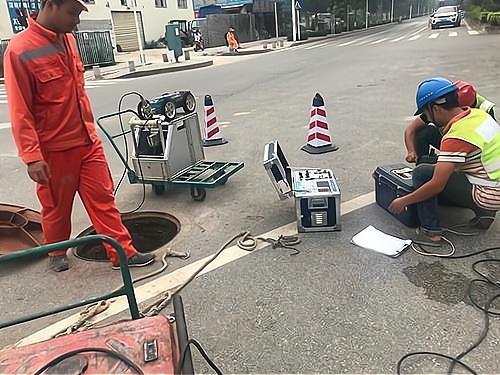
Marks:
<point>84,170</point>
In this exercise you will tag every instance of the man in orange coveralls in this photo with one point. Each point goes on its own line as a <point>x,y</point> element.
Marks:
<point>54,130</point>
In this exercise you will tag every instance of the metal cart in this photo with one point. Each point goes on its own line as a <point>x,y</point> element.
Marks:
<point>169,153</point>
<point>154,344</point>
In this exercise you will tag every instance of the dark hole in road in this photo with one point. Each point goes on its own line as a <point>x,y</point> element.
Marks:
<point>149,230</point>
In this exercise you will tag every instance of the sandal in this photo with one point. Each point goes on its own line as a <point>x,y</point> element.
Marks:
<point>424,240</point>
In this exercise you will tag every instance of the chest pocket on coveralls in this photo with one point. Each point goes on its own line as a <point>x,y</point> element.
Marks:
<point>51,84</point>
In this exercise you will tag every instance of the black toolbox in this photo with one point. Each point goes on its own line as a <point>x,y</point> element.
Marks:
<point>391,182</point>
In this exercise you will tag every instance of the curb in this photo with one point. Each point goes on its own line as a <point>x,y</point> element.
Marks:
<point>169,69</point>
<point>246,53</point>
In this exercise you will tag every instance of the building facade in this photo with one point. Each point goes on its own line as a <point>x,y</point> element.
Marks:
<point>117,16</point>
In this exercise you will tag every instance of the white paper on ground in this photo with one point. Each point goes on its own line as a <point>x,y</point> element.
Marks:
<point>372,239</point>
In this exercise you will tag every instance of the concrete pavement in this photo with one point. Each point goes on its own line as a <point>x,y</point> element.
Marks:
<point>333,308</point>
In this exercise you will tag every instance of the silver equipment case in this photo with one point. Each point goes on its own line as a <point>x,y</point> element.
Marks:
<point>317,195</point>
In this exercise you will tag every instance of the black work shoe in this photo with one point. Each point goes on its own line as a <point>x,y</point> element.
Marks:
<point>58,263</point>
<point>138,260</point>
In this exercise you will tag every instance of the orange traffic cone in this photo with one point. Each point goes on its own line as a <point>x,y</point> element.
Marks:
<point>319,139</point>
<point>212,133</point>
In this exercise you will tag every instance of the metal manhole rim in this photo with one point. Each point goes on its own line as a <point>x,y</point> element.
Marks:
<point>173,223</point>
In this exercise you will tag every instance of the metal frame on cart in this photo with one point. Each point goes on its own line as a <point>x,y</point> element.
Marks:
<point>198,176</point>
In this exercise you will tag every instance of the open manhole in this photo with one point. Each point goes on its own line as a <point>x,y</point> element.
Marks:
<point>149,230</point>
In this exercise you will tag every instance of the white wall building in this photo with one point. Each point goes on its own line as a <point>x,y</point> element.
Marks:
<point>117,16</point>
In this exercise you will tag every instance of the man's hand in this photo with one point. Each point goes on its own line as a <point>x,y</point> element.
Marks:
<point>398,205</point>
<point>411,157</point>
<point>39,172</point>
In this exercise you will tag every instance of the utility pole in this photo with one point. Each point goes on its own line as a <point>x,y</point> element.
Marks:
<point>347,15</point>
<point>366,16</point>
<point>392,11</point>
<point>411,8</point>
<point>276,19</point>
<point>294,21</point>
<point>142,57</point>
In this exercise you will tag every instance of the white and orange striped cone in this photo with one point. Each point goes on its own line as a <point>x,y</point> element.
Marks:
<point>212,135</point>
<point>319,139</point>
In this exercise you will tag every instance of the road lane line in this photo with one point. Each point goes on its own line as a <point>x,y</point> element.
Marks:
<point>5,125</point>
<point>316,46</point>
<point>453,33</point>
<point>398,39</point>
<point>176,278</point>
<point>349,43</point>
<point>473,32</point>
<point>415,37</point>
<point>434,36</point>
<point>378,41</point>
<point>241,113</point>
<point>3,101</point>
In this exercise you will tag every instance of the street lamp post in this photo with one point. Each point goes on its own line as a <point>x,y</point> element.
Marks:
<point>366,15</point>
<point>142,57</point>
<point>294,21</point>
<point>392,11</point>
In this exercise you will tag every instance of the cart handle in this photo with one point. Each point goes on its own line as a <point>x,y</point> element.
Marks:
<point>126,290</point>
<point>112,137</point>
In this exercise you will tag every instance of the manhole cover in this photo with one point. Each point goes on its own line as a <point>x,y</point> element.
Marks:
<point>149,231</point>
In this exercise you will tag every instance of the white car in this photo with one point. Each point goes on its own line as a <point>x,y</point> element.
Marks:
<point>445,16</point>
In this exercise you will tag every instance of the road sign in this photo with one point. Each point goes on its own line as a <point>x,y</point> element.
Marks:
<point>299,4</point>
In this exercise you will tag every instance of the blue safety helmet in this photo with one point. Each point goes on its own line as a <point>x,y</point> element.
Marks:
<point>432,90</point>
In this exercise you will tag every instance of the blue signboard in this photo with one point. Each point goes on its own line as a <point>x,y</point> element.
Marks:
<point>19,11</point>
<point>222,3</point>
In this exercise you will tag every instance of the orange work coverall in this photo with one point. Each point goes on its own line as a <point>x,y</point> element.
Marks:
<point>52,120</point>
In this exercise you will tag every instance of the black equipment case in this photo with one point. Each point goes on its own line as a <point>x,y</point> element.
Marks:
<point>391,182</point>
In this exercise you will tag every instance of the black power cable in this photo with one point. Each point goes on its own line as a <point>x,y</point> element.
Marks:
<point>202,352</point>
<point>486,310</point>
<point>109,352</point>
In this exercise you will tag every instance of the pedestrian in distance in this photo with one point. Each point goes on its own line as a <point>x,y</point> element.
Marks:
<point>232,41</point>
<point>54,130</point>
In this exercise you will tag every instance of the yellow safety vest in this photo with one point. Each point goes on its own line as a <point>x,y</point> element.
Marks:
<point>483,103</point>
<point>479,128</point>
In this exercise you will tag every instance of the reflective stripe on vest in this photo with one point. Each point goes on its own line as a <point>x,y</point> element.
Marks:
<point>479,128</point>
<point>483,103</point>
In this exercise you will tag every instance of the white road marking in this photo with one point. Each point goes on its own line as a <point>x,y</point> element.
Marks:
<point>5,125</point>
<point>364,42</point>
<point>398,39</point>
<point>176,278</point>
<point>473,32</point>
<point>379,41</point>
<point>349,43</point>
<point>241,113</point>
<point>415,37</point>
<point>434,36</point>
<point>316,46</point>
<point>224,122</point>
<point>453,33</point>
<point>3,101</point>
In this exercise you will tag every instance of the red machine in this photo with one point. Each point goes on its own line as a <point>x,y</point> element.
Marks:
<point>149,345</point>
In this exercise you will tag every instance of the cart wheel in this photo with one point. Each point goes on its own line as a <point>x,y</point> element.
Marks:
<point>189,103</point>
<point>182,334</point>
<point>198,194</point>
<point>169,110</point>
<point>158,189</point>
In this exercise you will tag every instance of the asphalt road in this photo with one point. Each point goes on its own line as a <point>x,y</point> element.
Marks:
<point>333,308</point>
